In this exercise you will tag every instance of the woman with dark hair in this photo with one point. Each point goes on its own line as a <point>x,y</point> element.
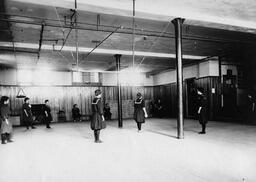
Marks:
<point>202,109</point>
<point>140,112</point>
<point>47,114</point>
<point>27,114</point>
<point>6,126</point>
<point>98,120</point>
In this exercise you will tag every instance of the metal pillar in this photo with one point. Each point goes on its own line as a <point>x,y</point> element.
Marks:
<point>77,53</point>
<point>119,93</point>
<point>178,42</point>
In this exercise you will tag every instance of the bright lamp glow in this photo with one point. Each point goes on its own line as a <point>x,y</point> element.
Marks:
<point>131,77</point>
<point>43,77</point>
<point>77,77</point>
<point>24,76</point>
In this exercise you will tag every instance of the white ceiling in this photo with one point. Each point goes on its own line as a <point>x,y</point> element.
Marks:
<point>227,14</point>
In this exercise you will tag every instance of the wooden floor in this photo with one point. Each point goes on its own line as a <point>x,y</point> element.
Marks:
<point>67,153</point>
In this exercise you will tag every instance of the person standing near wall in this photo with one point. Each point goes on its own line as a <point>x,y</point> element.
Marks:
<point>6,125</point>
<point>202,109</point>
<point>159,108</point>
<point>47,114</point>
<point>140,112</point>
<point>251,108</point>
<point>27,114</point>
<point>98,120</point>
<point>107,113</point>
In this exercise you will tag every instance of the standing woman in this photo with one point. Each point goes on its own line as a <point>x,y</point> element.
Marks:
<point>140,112</point>
<point>202,109</point>
<point>6,126</point>
<point>98,120</point>
<point>47,114</point>
<point>27,114</point>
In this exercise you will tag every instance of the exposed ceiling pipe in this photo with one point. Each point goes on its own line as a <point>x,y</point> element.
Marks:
<point>133,33</point>
<point>71,28</point>
<point>40,40</point>
<point>156,34</point>
<point>102,42</point>
<point>77,53</point>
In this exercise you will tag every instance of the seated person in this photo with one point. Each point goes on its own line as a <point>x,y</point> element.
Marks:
<point>76,113</point>
<point>159,109</point>
<point>107,113</point>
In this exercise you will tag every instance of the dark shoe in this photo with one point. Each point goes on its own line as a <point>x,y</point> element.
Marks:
<point>98,141</point>
<point>202,132</point>
<point>48,127</point>
<point>9,141</point>
<point>33,127</point>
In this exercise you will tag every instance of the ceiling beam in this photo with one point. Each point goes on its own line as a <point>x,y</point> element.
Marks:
<point>98,51</point>
<point>166,10</point>
<point>124,30</point>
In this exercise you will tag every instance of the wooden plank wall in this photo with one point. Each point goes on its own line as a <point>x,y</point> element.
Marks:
<point>63,98</point>
<point>214,106</point>
<point>168,95</point>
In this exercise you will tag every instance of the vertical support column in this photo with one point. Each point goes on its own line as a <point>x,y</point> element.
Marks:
<point>77,53</point>
<point>178,42</point>
<point>220,83</point>
<point>119,93</point>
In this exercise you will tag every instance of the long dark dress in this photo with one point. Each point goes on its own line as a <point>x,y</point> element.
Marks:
<point>48,117</point>
<point>203,113</point>
<point>107,113</point>
<point>4,115</point>
<point>251,116</point>
<point>97,112</point>
<point>27,118</point>
<point>139,115</point>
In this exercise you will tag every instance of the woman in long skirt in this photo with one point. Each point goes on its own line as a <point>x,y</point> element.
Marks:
<point>98,120</point>
<point>140,112</point>
<point>47,114</point>
<point>202,109</point>
<point>6,125</point>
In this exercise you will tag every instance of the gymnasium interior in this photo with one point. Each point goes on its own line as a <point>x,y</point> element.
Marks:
<point>64,50</point>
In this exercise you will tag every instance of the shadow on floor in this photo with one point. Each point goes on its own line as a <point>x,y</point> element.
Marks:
<point>160,133</point>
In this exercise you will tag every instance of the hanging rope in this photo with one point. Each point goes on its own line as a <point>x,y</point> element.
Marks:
<point>76,16</point>
<point>133,34</point>
<point>153,43</point>
<point>58,16</point>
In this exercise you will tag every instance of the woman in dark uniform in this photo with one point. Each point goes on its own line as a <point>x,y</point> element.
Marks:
<point>251,108</point>
<point>98,120</point>
<point>140,112</point>
<point>202,109</point>
<point>6,125</point>
<point>27,114</point>
<point>47,114</point>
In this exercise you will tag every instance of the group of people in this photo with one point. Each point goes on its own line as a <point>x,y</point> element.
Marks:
<point>6,125</point>
<point>27,115</point>
<point>98,120</point>
<point>99,114</point>
<point>76,115</point>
